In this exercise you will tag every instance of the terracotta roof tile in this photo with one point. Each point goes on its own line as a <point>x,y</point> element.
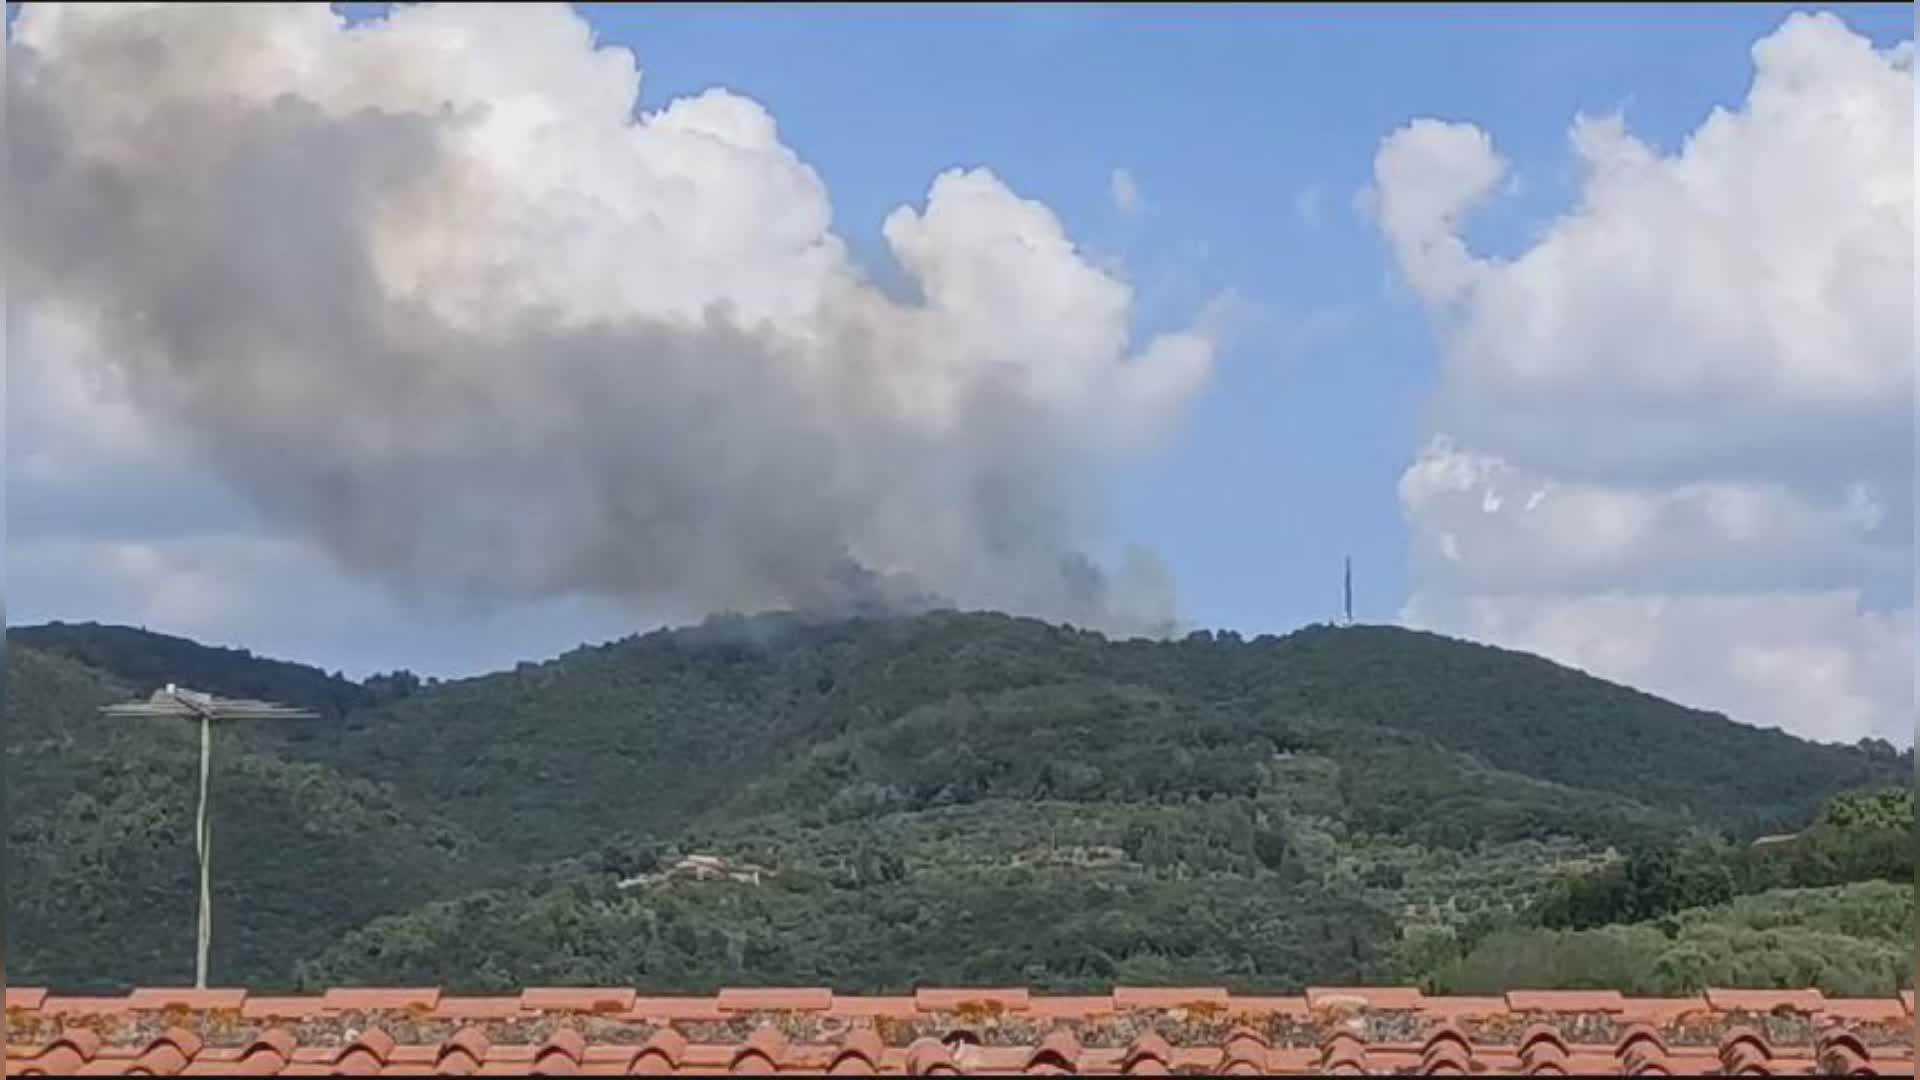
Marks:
<point>1065,1007</point>
<point>1744,1052</point>
<point>561,1054</point>
<point>1132,1031</point>
<point>64,1054</point>
<point>1263,1005</point>
<point>1766,1001</point>
<point>1170,997</point>
<point>414,1054</point>
<point>676,1008</point>
<point>1663,1010</point>
<point>1462,1008</point>
<point>484,1008</point>
<point>928,1057</point>
<point>521,1054</point>
<point>958,1000</point>
<point>62,1005</point>
<point>862,1043</point>
<point>156,999</point>
<point>1566,1001</point>
<point>577,999</point>
<point>1867,1010</point>
<point>668,1045</point>
<point>279,1008</point>
<point>1372,997</point>
<point>364,999</point>
<point>897,1007</point>
<point>798,999</point>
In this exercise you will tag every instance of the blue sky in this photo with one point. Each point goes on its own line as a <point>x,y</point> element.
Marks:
<point>1442,319</point>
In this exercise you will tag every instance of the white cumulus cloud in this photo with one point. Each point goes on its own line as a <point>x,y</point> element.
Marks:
<point>1673,440</point>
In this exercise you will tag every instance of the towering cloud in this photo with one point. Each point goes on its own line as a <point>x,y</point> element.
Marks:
<point>428,291</point>
<point>1674,437</point>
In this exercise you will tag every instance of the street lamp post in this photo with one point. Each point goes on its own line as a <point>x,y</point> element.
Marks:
<point>174,702</point>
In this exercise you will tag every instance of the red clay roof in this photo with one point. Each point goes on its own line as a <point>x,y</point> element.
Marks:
<point>1133,1031</point>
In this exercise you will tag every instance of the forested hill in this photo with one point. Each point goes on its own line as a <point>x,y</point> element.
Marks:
<point>1011,699</point>
<point>147,660</point>
<point>1367,781</point>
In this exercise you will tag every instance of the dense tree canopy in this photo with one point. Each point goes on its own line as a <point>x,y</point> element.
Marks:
<point>954,798</point>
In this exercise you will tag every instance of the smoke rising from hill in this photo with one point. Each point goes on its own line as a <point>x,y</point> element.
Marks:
<point>428,291</point>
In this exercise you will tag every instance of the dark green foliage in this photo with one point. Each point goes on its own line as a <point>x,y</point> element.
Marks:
<point>958,798</point>
<point>1868,836</point>
<point>1527,715</point>
<point>1889,808</point>
<point>143,661</point>
<point>1647,884</point>
<point>101,874</point>
<point>1853,940</point>
<point>996,892</point>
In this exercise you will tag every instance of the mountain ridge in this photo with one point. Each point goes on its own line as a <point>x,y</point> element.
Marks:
<point>1365,776</point>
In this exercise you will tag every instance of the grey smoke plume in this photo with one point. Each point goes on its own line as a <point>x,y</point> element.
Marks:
<point>428,291</point>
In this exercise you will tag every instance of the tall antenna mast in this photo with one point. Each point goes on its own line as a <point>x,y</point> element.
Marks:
<point>173,701</point>
<point>1347,607</point>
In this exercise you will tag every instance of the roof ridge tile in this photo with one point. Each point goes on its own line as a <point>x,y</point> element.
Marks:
<point>481,1008</point>
<point>675,1007</point>
<point>1171,997</point>
<point>960,999</point>
<point>1566,1001</point>
<point>1368,997</point>
<point>1068,1006</point>
<point>376,998</point>
<point>83,1005</point>
<point>775,999</point>
<point>1456,1006</point>
<point>166,998</point>
<point>281,1008</point>
<point>589,999</point>
<point>1766,1001</point>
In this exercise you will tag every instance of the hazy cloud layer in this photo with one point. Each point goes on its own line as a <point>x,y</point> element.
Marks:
<point>430,296</point>
<point>1674,438</point>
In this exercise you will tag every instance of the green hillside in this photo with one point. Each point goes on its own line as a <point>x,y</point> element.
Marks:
<point>1057,895</point>
<point>946,798</point>
<point>101,876</point>
<point>1849,940</point>
<point>141,658</point>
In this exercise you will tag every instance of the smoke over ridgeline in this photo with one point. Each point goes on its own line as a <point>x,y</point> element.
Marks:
<point>427,291</point>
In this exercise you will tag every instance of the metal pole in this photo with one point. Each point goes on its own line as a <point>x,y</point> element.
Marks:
<point>172,702</point>
<point>202,843</point>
